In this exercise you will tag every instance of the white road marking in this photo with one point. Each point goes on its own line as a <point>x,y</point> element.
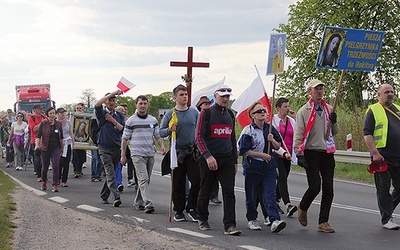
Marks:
<point>251,247</point>
<point>90,208</point>
<point>140,219</point>
<point>58,199</point>
<point>188,232</point>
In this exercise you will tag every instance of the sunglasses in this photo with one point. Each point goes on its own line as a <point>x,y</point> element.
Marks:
<point>259,111</point>
<point>228,90</point>
<point>20,116</point>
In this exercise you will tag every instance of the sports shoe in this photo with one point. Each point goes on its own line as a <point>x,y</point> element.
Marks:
<point>302,216</point>
<point>277,226</point>
<point>291,210</point>
<point>120,188</point>
<point>216,201</point>
<point>232,231</point>
<point>105,201</point>
<point>254,225</point>
<point>149,209</point>
<point>326,228</point>
<point>64,184</point>
<point>8,164</point>
<point>139,207</point>
<point>131,182</point>
<point>117,202</point>
<point>179,216</point>
<point>204,226</point>
<point>267,222</point>
<point>94,179</point>
<point>193,215</point>
<point>18,168</point>
<point>390,225</point>
<point>280,209</point>
<point>43,186</point>
<point>39,179</point>
<point>54,188</point>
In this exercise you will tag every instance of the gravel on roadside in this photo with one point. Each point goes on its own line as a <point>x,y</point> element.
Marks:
<point>43,224</point>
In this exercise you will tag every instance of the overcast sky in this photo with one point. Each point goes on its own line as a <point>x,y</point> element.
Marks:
<point>82,44</point>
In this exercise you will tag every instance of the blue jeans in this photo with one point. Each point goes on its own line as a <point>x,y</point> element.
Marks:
<point>97,164</point>
<point>118,174</point>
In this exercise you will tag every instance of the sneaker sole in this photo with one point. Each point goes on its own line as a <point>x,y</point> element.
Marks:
<point>117,203</point>
<point>237,232</point>
<point>255,228</point>
<point>179,220</point>
<point>204,228</point>
<point>280,227</point>
<point>149,211</point>
<point>292,211</point>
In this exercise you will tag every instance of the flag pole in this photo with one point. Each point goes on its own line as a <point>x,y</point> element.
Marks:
<point>170,198</point>
<point>271,116</point>
<point>328,130</point>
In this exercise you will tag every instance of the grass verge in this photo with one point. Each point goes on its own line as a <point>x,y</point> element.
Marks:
<point>7,206</point>
<point>348,171</point>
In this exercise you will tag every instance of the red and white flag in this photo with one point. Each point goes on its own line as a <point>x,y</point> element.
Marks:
<point>255,92</point>
<point>124,85</point>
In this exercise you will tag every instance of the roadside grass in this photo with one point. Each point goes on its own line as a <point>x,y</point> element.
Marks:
<point>7,206</point>
<point>347,171</point>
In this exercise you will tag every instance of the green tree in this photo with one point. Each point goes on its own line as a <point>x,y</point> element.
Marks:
<point>307,19</point>
<point>88,98</point>
<point>163,101</point>
<point>130,101</point>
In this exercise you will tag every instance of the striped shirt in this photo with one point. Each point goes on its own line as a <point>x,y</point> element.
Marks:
<point>140,132</point>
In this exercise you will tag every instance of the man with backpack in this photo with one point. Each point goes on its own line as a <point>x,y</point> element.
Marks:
<point>216,140</point>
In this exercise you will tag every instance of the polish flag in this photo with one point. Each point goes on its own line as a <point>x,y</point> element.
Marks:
<point>255,92</point>
<point>124,85</point>
<point>207,91</point>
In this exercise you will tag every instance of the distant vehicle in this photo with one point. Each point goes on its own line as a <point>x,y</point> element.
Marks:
<point>30,95</point>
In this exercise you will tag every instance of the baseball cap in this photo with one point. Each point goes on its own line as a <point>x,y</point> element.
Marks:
<point>60,110</point>
<point>314,83</point>
<point>377,166</point>
<point>223,91</point>
<point>9,111</point>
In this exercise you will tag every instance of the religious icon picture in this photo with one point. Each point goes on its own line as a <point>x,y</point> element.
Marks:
<point>331,48</point>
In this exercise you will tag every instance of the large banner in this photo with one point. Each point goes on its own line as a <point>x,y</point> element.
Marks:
<point>276,54</point>
<point>349,49</point>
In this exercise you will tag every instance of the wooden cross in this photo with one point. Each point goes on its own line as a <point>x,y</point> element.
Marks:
<point>189,65</point>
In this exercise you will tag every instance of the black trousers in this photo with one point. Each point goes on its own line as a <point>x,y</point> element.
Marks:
<point>226,176</point>
<point>320,166</point>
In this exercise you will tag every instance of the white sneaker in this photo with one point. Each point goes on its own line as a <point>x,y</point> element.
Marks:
<point>277,226</point>
<point>253,225</point>
<point>391,225</point>
<point>267,222</point>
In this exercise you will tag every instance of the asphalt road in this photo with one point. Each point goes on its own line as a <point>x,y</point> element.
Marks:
<point>354,214</point>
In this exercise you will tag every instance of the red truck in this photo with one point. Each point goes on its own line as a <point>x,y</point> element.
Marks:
<point>30,95</point>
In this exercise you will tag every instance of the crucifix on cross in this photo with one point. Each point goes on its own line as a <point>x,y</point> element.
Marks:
<point>189,65</point>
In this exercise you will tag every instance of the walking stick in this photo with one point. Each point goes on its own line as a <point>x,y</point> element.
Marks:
<point>170,198</point>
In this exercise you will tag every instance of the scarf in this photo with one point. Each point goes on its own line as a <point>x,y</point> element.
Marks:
<point>330,144</point>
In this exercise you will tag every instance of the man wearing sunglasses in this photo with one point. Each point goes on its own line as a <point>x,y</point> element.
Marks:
<point>216,140</point>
